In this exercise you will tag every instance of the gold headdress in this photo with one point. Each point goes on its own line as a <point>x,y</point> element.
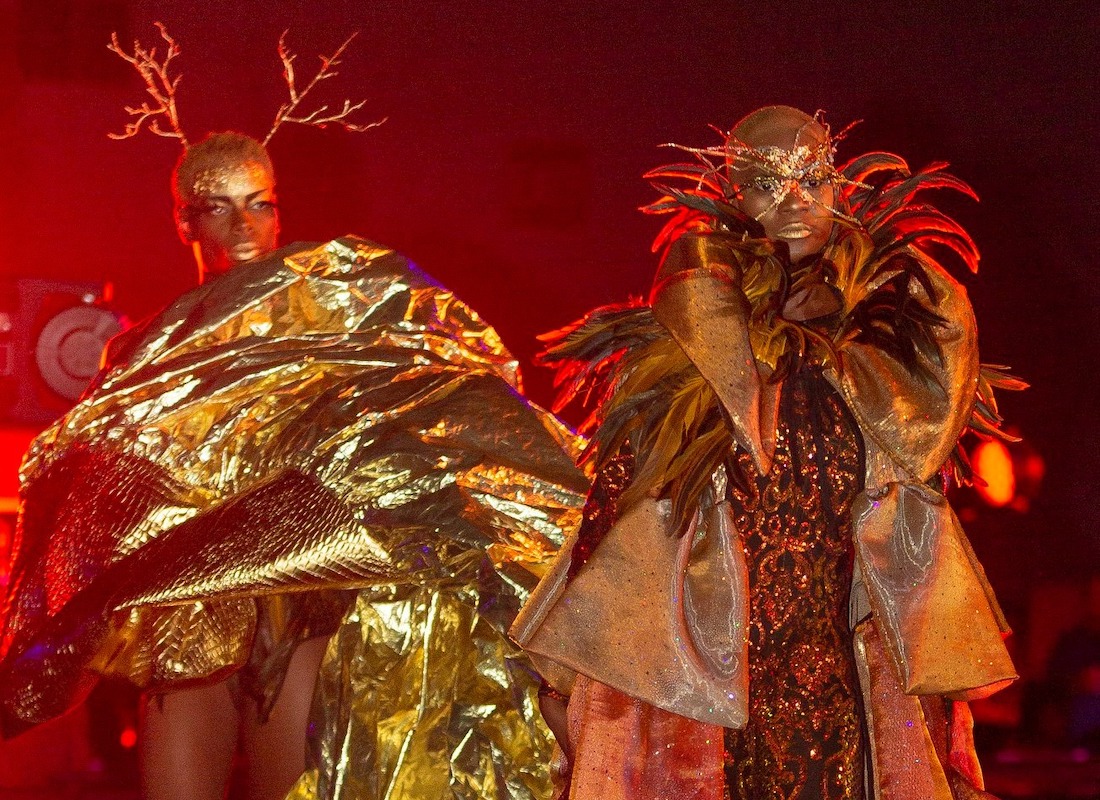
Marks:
<point>162,87</point>
<point>786,170</point>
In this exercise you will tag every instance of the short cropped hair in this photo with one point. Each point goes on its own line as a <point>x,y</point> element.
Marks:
<point>215,150</point>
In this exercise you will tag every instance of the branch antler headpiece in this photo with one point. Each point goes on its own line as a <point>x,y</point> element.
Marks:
<point>163,88</point>
<point>158,84</point>
<point>319,117</point>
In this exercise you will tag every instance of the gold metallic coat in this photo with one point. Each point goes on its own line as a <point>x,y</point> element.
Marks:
<point>328,418</point>
<point>940,626</point>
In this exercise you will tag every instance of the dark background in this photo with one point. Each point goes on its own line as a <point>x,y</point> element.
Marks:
<point>510,165</point>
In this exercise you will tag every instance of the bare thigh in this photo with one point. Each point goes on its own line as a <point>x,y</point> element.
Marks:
<point>188,740</point>
<point>275,751</point>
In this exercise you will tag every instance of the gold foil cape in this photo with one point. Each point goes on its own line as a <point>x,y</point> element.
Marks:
<point>933,608</point>
<point>324,419</point>
<point>421,695</point>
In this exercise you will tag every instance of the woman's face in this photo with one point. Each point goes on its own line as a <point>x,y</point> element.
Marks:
<point>234,216</point>
<point>802,218</point>
<point>783,182</point>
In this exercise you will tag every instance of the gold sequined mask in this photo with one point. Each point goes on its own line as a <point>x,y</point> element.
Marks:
<point>778,170</point>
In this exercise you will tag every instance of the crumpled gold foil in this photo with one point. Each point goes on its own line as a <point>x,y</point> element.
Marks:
<point>325,419</point>
<point>420,695</point>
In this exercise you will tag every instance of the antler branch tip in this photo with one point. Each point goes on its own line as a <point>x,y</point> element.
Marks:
<point>317,117</point>
<point>157,84</point>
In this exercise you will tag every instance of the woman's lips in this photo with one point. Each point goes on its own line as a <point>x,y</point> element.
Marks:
<point>245,252</point>
<point>796,230</point>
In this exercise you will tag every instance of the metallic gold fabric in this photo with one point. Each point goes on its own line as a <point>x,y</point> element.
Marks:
<point>705,310</point>
<point>680,601</point>
<point>917,423</point>
<point>929,603</point>
<point>421,696</point>
<point>325,418</point>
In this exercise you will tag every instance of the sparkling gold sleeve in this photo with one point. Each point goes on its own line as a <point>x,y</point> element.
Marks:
<point>934,607</point>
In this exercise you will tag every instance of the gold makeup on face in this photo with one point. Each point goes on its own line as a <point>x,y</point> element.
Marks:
<point>233,217</point>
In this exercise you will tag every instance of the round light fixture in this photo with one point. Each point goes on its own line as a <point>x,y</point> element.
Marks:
<point>68,349</point>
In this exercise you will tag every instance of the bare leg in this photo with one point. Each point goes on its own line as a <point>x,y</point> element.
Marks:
<point>555,712</point>
<point>187,744</point>
<point>275,751</point>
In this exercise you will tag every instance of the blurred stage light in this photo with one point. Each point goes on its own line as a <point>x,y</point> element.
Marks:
<point>1012,473</point>
<point>993,463</point>
<point>128,738</point>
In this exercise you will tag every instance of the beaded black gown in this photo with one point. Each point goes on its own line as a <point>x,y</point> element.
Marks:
<point>804,734</point>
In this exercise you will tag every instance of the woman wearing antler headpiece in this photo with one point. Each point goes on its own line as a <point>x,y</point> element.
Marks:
<point>769,596</point>
<point>306,421</point>
<point>224,186</point>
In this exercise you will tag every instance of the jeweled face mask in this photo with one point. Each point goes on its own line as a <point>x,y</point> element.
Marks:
<point>781,171</point>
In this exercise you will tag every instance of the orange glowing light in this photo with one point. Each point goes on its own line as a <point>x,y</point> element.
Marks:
<point>993,463</point>
<point>128,738</point>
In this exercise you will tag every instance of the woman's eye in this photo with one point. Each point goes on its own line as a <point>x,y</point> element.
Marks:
<point>811,183</point>
<point>766,184</point>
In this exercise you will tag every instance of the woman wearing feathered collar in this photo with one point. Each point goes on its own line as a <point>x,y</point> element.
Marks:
<point>769,596</point>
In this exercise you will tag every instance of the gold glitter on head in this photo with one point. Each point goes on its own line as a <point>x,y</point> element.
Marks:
<point>216,180</point>
<point>209,166</point>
